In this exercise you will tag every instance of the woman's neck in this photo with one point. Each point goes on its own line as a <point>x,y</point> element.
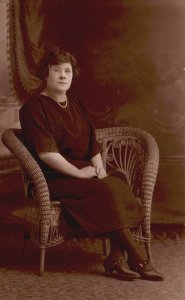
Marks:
<point>59,97</point>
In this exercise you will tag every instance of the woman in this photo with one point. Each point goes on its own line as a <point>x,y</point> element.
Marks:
<point>59,133</point>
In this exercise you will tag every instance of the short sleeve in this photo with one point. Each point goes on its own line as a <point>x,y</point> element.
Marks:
<point>36,131</point>
<point>94,147</point>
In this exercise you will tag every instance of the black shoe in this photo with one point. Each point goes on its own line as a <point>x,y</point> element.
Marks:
<point>118,269</point>
<point>146,270</point>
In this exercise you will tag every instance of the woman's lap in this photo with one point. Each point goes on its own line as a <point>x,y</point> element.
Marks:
<point>98,205</point>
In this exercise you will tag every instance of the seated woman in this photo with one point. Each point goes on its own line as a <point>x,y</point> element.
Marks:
<point>60,134</point>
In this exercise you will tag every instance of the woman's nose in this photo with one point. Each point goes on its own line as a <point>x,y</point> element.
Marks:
<point>62,75</point>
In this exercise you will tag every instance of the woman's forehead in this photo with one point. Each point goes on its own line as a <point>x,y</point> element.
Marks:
<point>62,65</point>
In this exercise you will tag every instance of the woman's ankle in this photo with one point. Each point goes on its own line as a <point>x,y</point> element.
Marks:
<point>116,256</point>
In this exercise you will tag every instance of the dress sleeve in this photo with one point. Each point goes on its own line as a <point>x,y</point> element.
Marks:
<point>36,130</point>
<point>94,147</point>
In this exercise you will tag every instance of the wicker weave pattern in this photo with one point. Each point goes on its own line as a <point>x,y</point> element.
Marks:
<point>131,153</point>
<point>41,216</point>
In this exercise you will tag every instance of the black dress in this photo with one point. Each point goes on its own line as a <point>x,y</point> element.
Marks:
<point>90,206</point>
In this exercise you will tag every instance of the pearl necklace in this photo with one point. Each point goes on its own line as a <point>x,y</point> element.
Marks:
<point>59,102</point>
<point>65,105</point>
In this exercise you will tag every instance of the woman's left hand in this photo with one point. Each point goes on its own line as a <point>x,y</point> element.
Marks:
<point>100,172</point>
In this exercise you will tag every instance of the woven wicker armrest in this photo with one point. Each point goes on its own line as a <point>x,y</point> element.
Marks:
<point>133,154</point>
<point>12,140</point>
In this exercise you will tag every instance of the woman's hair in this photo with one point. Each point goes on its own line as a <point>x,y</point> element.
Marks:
<point>55,57</point>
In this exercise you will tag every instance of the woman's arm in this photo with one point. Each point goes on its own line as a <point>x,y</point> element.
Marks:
<point>98,164</point>
<point>58,163</point>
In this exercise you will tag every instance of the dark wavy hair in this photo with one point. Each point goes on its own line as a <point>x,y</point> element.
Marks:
<point>55,57</point>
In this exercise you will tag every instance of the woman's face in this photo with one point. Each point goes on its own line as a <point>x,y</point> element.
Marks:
<point>60,77</point>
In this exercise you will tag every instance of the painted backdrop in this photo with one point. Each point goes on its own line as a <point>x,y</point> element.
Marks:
<point>132,72</point>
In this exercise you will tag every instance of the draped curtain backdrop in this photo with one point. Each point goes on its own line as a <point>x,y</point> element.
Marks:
<point>26,44</point>
<point>93,31</point>
<point>132,62</point>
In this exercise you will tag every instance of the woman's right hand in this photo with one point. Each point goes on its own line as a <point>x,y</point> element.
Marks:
<point>87,172</point>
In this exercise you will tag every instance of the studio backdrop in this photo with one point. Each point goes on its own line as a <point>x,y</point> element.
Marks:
<point>132,60</point>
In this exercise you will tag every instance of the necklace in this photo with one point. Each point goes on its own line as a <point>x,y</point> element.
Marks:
<point>65,105</point>
<point>65,100</point>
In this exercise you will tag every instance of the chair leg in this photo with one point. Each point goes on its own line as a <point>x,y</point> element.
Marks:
<point>42,260</point>
<point>106,246</point>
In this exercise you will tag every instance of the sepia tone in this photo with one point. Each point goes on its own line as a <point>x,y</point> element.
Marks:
<point>132,60</point>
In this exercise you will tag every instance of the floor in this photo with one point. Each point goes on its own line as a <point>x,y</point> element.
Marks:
<point>74,270</point>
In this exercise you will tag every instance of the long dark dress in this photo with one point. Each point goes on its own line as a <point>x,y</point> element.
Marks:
<point>90,206</point>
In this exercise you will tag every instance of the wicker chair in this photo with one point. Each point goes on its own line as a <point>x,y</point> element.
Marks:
<point>130,153</point>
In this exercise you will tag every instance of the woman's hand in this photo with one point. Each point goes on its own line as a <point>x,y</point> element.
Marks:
<point>100,172</point>
<point>98,164</point>
<point>87,172</point>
